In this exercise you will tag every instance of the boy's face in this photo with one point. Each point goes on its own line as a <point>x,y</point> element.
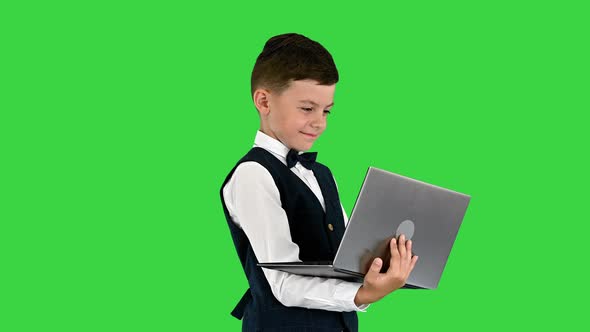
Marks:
<point>297,116</point>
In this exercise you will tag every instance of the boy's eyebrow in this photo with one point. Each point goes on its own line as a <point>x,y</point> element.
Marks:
<point>314,103</point>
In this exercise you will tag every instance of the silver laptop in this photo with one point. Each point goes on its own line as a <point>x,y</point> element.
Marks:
<point>387,206</point>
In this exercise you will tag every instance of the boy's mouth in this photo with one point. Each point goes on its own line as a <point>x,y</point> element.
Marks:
<point>309,135</point>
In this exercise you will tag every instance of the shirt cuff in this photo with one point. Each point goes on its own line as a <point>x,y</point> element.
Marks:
<point>346,293</point>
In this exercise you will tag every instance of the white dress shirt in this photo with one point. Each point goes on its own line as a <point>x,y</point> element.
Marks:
<point>253,202</point>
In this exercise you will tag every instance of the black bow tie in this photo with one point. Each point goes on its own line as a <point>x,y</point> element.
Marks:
<point>306,159</point>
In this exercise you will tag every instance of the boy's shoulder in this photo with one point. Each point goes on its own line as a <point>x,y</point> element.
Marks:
<point>260,169</point>
<point>258,161</point>
<point>264,157</point>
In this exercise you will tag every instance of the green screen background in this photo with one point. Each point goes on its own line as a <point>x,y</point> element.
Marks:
<point>119,122</point>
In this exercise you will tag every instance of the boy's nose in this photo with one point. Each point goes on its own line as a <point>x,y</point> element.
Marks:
<point>319,122</point>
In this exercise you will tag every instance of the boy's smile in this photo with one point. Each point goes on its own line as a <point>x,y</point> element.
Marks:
<point>297,116</point>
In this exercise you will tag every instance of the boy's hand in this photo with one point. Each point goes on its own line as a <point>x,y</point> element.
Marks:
<point>376,284</point>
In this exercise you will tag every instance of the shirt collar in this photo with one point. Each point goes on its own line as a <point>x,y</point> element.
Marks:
<point>271,145</point>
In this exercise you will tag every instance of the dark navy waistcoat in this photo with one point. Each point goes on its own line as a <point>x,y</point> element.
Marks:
<point>318,235</point>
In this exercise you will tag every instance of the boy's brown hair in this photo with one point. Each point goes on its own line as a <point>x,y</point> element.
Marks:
<point>292,56</point>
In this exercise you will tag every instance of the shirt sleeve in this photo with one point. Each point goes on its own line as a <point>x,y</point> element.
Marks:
<point>251,190</point>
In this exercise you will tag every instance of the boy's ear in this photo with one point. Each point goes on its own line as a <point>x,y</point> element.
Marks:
<point>261,97</point>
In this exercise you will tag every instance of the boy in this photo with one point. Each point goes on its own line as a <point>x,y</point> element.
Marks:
<point>282,206</point>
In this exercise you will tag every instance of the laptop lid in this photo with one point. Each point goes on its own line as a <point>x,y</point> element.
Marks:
<point>390,204</point>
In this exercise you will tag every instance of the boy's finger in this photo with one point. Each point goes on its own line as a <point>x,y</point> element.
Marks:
<point>409,250</point>
<point>374,269</point>
<point>376,265</point>
<point>412,264</point>
<point>395,258</point>
<point>402,246</point>
<point>394,249</point>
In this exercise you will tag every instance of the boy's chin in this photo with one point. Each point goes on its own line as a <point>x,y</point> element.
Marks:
<point>302,144</point>
<point>304,147</point>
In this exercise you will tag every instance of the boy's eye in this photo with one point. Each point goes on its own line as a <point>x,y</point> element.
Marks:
<point>309,109</point>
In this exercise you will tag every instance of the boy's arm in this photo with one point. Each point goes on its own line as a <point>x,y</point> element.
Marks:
<point>252,190</point>
<point>376,284</point>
